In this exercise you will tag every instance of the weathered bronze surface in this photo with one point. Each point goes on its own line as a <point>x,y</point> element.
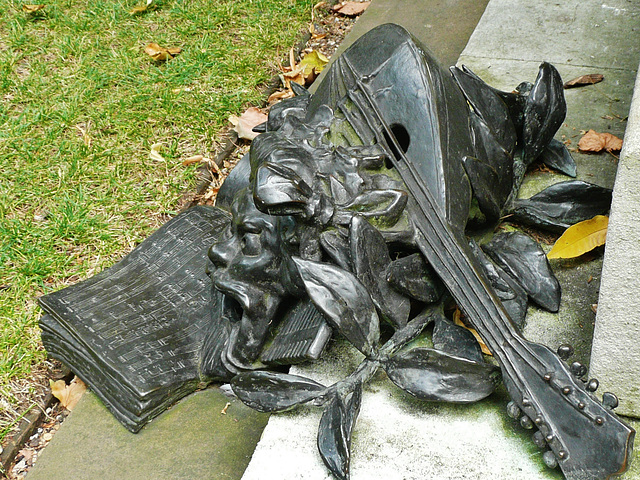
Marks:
<point>351,215</point>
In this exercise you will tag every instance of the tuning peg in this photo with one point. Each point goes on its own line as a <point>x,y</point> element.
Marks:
<point>549,459</point>
<point>260,128</point>
<point>609,400</point>
<point>513,410</point>
<point>565,351</point>
<point>592,386</point>
<point>526,422</point>
<point>539,440</point>
<point>578,369</point>
<point>298,89</point>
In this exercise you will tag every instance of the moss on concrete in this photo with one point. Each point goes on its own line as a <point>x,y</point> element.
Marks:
<point>191,440</point>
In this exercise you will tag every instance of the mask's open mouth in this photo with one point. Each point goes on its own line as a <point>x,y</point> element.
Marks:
<point>239,291</point>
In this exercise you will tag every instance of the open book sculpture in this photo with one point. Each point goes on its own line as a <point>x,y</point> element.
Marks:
<point>353,214</point>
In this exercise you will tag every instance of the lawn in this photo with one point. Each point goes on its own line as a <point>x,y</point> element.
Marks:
<point>81,105</point>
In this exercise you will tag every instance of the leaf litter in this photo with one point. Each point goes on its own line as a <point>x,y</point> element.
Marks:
<point>581,238</point>
<point>142,8</point>
<point>595,142</point>
<point>70,394</point>
<point>583,80</point>
<point>161,54</point>
<point>28,8</point>
<point>351,8</point>
<point>243,125</point>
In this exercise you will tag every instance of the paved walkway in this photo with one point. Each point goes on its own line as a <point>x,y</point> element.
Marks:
<point>397,437</point>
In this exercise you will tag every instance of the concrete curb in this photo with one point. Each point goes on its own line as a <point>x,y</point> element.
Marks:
<point>615,356</point>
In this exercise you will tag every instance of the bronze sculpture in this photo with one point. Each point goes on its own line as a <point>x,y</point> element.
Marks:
<point>350,214</point>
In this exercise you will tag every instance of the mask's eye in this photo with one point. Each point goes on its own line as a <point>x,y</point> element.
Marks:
<point>251,244</point>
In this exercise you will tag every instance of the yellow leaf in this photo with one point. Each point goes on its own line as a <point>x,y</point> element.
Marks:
<point>581,238</point>
<point>161,54</point>
<point>32,8</point>
<point>314,59</point>
<point>141,8</point>
<point>154,153</point>
<point>68,395</point>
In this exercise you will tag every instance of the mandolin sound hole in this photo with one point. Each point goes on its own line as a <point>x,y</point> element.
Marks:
<point>402,138</point>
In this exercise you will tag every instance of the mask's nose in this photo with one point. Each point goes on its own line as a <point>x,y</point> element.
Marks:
<point>223,252</point>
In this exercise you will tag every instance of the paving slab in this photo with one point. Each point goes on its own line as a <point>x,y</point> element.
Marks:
<point>397,437</point>
<point>444,26</point>
<point>192,440</point>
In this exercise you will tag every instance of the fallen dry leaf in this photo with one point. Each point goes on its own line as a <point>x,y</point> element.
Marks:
<point>32,8</point>
<point>192,160</point>
<point>305,72</point>
<point>244,124</point>
<point>141,8</point>
<point>312,64</point>
<point>295,76</point>
<point>280,95</point>
<point>161,54</point>
<point>68,395</point>
<point>593,141</point>
<point>583,80</point>
<point>85,136</point>
<point>581,238</point>
<point>351,9</point>
<point>458,321</point>
<point>154,153</point>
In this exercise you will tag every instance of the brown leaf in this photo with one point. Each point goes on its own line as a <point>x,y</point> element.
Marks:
<point>593,141</point>
<point>68,394</point>
<point>191,160</point>
<point>351,9</point>
<point>32,8</point>
<point>27,454</point>
<point>296,75</point>
<point>161,54</point>
<point>458,321</point>
<point>612,143</point>
<point>244,124</point>
<point>583,80</point>
<point>280,95</point>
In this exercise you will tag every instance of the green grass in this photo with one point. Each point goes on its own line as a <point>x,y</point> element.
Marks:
<point>72,204</point>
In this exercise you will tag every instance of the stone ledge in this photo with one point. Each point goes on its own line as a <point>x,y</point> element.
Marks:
<point>615,356</point>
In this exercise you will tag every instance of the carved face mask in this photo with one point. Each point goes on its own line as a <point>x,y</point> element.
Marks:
<point>251,262</point>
